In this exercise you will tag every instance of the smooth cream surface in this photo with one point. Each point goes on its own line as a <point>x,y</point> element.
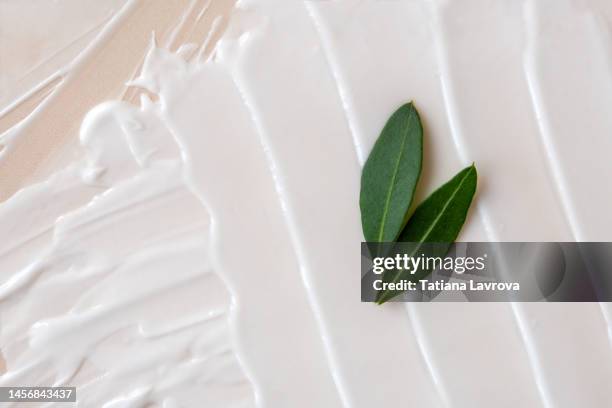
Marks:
<point>204,252</point>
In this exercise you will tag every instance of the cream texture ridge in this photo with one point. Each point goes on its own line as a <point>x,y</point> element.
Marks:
<point>180,222</point>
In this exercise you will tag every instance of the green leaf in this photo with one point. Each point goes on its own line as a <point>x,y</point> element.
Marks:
<point>438,219</point>
<point>390,175</point>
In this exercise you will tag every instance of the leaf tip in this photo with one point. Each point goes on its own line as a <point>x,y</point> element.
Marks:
<point>409,105</point>
<point>473,169</point>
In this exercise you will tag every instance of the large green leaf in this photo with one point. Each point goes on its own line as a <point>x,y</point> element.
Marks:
<point>390,175</point>
<point>438,219</point>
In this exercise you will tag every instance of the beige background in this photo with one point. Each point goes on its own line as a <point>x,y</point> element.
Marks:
<point>46,120</point>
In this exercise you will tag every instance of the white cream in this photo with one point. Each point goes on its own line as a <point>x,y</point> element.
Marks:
<point>107,278</point>
<point>243,179</point>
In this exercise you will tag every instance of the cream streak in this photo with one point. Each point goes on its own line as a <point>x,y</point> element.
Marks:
<point>118,296</point>
<point>549,376</point>
<point>310,143</point>
<point>419,82</point>
<point>252,247</point>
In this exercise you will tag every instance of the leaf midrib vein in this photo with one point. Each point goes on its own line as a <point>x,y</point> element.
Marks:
<point>436,220</point>
<point>395,170</point>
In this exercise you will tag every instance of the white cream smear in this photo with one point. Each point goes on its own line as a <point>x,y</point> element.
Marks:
<point>205,251</point>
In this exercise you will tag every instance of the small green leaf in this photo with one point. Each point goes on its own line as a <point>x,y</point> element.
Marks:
<point>438,219</point>
<point>390,175</point>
